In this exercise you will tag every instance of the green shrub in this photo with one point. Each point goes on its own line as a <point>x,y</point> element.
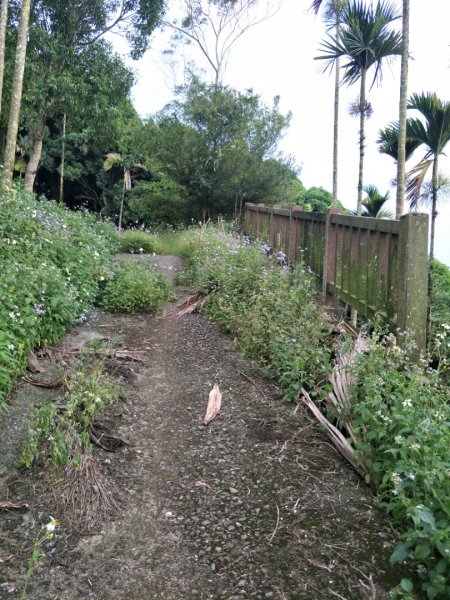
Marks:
<point>402,413</point>
<point>135,288</point>
<point>267,306</point>
<point>139,242</point>
<point>51,260</point>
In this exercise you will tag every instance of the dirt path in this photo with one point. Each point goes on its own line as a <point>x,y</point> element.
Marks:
<point>256,505</point>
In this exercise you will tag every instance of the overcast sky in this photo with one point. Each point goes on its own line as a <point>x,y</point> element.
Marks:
<point>277,58</point>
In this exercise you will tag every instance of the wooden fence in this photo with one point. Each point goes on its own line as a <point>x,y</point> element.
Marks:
<point>377,266</point>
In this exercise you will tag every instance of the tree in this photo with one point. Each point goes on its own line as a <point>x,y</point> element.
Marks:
<point>430,130</point>
<point>373,203</point>
<point>16,94</point>
<point>222,146</point>
<point>60,33</point>
<point>365,40</point>
<point>214,26</point>
<point>93,82</point>
<point>401,154</point>
<point>332,17</point>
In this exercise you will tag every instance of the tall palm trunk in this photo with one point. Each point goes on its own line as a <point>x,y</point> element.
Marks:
<point>401,154</point>
<point>16,94</point>
<point>362,139</point>
<point>3,22</point>
<point>435,184</point>
<point>35,156</point>
<point>63,160</point>
<point>336,127</point>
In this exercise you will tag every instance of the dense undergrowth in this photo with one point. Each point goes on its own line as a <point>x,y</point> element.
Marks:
<point>267,306</point>
<point>51,261</point>
<point>400,412</point>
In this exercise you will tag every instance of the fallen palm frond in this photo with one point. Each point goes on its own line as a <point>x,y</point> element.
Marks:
<point>190,304</point>
<point>214,404</point>
<point>85,494</point>
<point>338,402</point>
<point>335,435</point>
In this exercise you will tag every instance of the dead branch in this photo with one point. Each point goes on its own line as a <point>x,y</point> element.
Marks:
<point>101,436</point>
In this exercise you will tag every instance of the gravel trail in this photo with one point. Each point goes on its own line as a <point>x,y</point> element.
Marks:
<point>256,505</point>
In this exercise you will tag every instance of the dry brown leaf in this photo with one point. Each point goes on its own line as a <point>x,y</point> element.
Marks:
<point>34,365</point>
<point>214,404</point>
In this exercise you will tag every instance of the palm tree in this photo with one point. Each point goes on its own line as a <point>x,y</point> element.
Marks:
<point>332,18</point>
<point>432,131</point>
<point>114,159</point>
<point>373,203</point>
<point>365,40</point>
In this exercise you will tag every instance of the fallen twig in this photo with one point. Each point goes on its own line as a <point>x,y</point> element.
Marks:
<point>45,384</point>
<point>5,505</point>
<point>253,383</point>
<point>277,525</point>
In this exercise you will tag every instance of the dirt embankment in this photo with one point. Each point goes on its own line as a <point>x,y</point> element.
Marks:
<point>256,505</point>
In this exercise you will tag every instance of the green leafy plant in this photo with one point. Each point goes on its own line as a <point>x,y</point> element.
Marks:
<point>135,288</point>
<point>401,412</point>
<point>52,262</point>
<point>139,242</point>
<point>45,535</point>
<point>59,434</point>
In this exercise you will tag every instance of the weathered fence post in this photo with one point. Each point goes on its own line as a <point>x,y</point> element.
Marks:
<point>329,258</point>
<point>412,277</point>
<point>293,234</point>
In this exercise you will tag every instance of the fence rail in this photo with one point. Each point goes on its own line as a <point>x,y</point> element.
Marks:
<point>377,266</point>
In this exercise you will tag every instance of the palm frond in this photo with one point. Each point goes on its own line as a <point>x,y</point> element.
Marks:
<point>113,159</point>
<point>414,181</point>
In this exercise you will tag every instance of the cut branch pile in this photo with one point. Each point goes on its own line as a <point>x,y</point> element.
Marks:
<point>85,494</point>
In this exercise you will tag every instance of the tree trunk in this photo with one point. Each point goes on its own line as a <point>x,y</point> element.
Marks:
<point>63,154</point>
<point>362,118</point>
<point>401,158</point>
<point>35,157</point>
<point>3,22</point>
<point>435,183</point>
<point>336,127</point>
<point>16,94</point>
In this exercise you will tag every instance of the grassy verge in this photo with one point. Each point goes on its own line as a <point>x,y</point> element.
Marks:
<point>267,306</point>
<point>52,262</point>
